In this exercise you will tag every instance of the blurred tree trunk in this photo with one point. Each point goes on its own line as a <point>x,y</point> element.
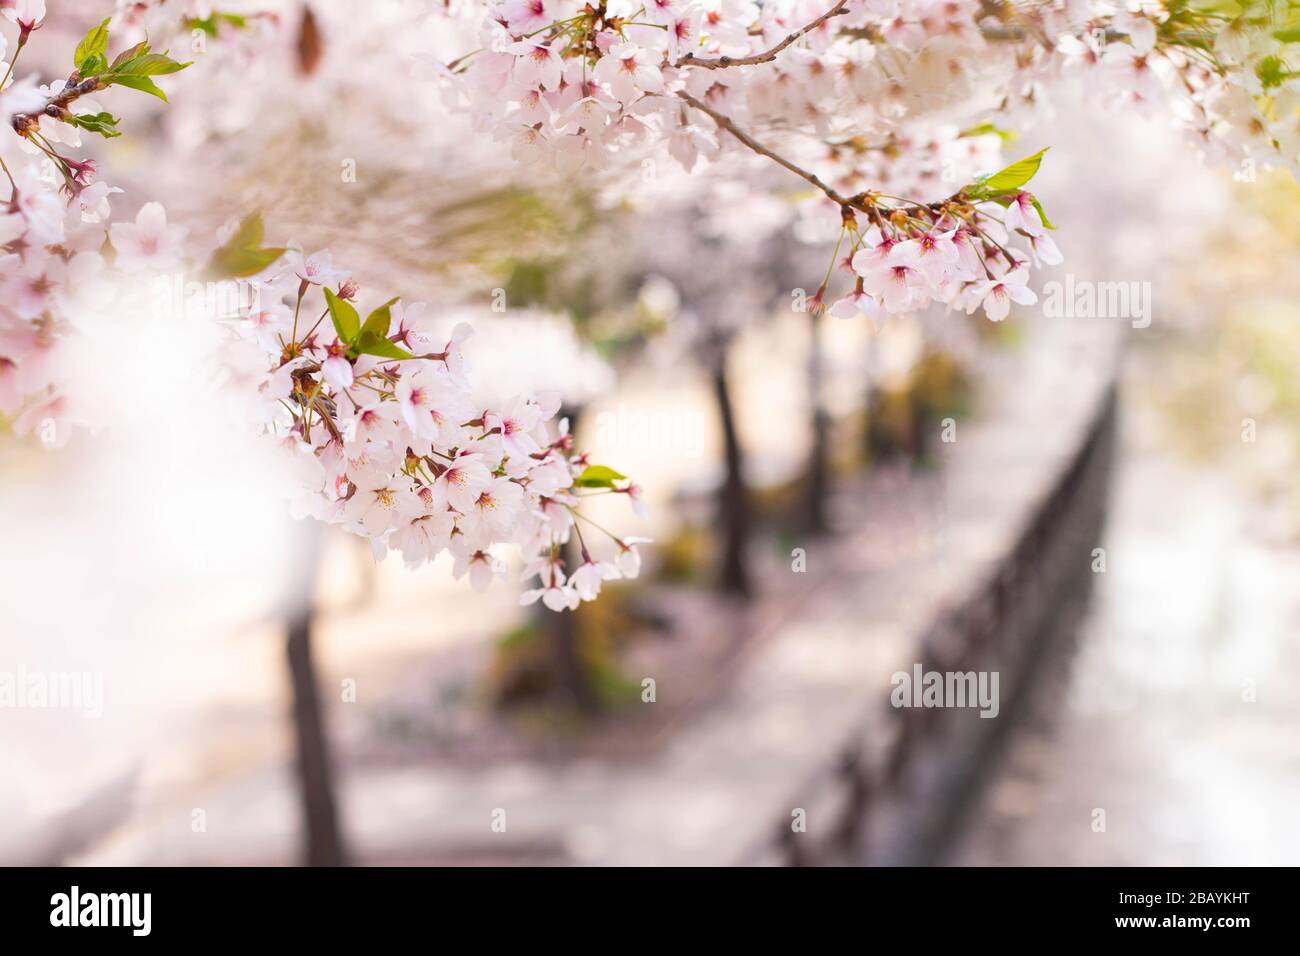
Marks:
<point>869,403</point>
<point>733,499</point>
<point>322,838</point>
<point>572,681</point>
<point>817,480</point>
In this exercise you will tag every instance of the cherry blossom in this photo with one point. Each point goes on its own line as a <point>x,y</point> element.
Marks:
<point>996,295</point>
<point>1022,215</point>
<point>587,579</point>
<point>56,251</point>
<point>884,109</point>
<point>403,453</point>
<point>149,243</point>
<point>28,14</point>
<point>879,129</point>
<point>317,268</point>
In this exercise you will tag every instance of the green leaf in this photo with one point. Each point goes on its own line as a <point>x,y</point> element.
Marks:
<point>241,263</point>
<point>105,124</point>
<point>130,53</point>
<point>93,65</point>
<point>378,321</point>
<point>598,476</point>
<point>141,83</point>
<point>1008,180</point>
<point>148,64</point>
<point>132,69</point>
<point>209,24</point>
<point>250,233</point>
<point>346,321</point>
<point>371,343</point>
<point>988,129</point>
<point>1042,215</point>
<point>93,44</point>
<point>1271,71</point>
<point>373,337</point>
<point>243,255</point>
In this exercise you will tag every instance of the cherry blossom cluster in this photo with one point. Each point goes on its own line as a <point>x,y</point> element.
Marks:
<point>1227,74</point>
<point>951,253</point>
<point>56,243</point>
<point>870,101</point>
<point>377,418</point>
<point>383,434</point>
<point>856,97</point>
<point>584,82</point>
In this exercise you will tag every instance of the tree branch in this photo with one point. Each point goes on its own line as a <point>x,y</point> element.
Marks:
<point>726,123</point>
<point>722,62</point>
<point>56,105</point>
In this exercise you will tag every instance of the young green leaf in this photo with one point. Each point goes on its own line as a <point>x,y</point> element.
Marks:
<point>598,476</point>
<point>141,83</point>
<point>378,321</point>
<point>240,263</point>
<point>130,53</point>
<point>371,343</point>
<point>93,65</point>
<point>243,255</point>
<point>105,124</point>
<point>988,129</point>
<point>250,233</point>
<point>1008,180</point>
<point>148,64</point>
<point>346,321</point>
<point>93,44</point>
<point>1042,215</point>
<point>209,24</point>
<point>1272,72</point>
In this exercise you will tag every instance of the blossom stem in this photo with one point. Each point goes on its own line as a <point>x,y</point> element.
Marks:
<point>22,42</point>
<point>834,258</point>
<point>302,290</point>
<point>311,406</point>
<point>1011,260</point>
<point>586,555</point>
<point>13,185</point>
<point>459,62</point>
<point>578,514</point>
<point>316,326</point>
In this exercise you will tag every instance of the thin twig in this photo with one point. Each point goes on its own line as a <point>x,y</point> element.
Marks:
<point>722,62</point>
<point>726,123</point>
<point>56,105</point>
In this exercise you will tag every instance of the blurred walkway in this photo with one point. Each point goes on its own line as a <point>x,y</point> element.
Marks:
<point>772,735</point>
<point>1150,719</point>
